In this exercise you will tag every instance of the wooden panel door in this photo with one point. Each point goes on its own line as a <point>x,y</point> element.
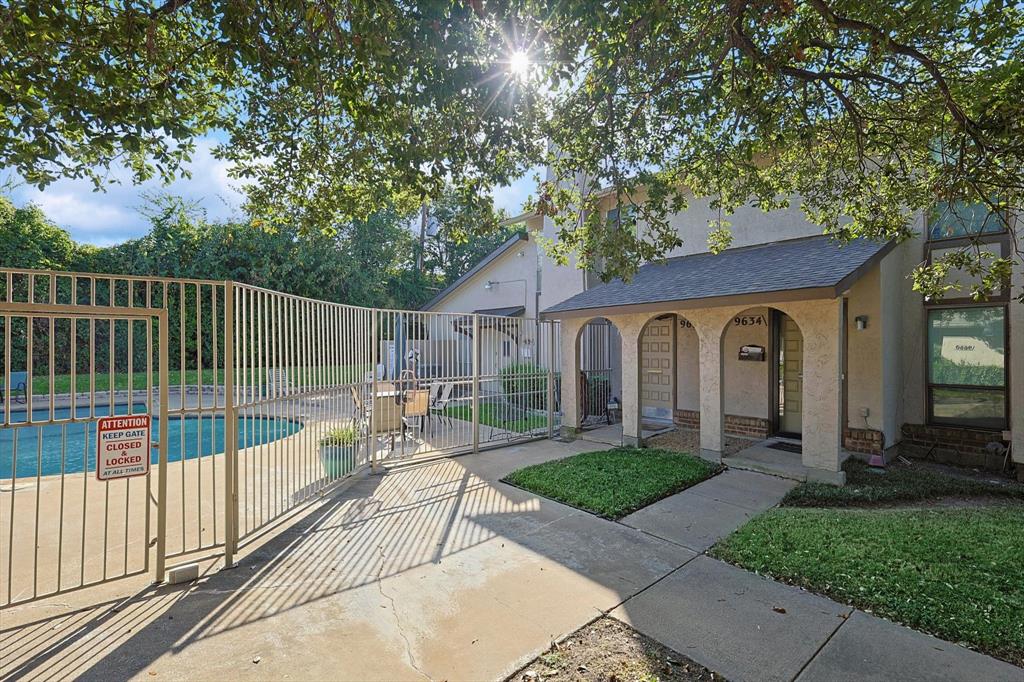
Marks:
<point>657,373</point>
<point>792,376</point>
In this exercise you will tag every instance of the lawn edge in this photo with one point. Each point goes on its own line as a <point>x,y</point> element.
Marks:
<point>870,610</point>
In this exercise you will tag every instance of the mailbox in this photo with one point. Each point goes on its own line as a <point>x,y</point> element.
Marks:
<point>754,353</point>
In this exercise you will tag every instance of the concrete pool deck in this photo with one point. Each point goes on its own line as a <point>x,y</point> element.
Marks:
<point>440,571</point>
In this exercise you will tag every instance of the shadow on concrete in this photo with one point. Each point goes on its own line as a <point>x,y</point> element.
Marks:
<point>379,528</point>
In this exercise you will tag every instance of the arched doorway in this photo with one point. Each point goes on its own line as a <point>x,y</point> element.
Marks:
<point>658,379</point>
<point>763,370</point>
<point>600,380</point>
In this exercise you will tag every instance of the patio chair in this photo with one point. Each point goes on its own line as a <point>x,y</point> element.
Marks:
<point>359,411</point>
<point>417,409</point>
<point>440,405</point>
<point>277,382</point>
<point>435,393</point>
<point>19,382</point>
<point>386,419</point>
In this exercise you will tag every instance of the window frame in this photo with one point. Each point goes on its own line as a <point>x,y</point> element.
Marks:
<point>965,238</point>
<point>930,387</point>
<point>963,299</point>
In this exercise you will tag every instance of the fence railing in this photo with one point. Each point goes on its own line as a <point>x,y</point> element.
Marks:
<point>261,401</point>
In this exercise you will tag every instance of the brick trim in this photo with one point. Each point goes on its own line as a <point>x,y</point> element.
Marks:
<point>751,427</point>
<point>866,441</point>
<point>952,445</point>
<point>688,419</point>
<point>735,425</point>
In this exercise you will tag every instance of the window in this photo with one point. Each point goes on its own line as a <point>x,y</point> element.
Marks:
<point>628,216</point>
<point>967,366</point>
<point>961,219</point>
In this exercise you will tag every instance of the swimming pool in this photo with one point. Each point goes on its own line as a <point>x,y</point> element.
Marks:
<point>185,439</point>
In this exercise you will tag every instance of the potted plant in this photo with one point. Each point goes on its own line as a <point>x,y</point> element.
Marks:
<point>338,450</point>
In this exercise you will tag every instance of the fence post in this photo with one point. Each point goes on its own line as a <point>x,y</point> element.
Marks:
<point>476,382</point>
<point>230,426</point>
<point>161,495</point>
<point>374,360</point>
<point>551,379</point>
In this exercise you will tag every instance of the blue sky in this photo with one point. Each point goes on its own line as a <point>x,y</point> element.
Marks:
<point>110,217</point>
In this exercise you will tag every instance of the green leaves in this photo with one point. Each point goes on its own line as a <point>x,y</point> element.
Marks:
<point>332,111</point>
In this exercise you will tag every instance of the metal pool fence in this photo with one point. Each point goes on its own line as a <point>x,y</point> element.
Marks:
<point>260,401</point>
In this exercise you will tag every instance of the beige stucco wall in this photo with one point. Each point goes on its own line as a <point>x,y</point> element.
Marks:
<point>518,263</point>
<point>749,225</point>
<point>864,353</point>
<point>911,387</point>
<point>687,366</point>
<point>746,383</point>
<point>892,281</point>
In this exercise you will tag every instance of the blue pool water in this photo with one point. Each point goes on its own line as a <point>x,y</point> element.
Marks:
<point>80,440</point>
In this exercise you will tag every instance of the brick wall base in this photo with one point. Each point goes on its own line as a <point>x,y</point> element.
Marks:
<point>866,441</point>
<point>735,425</point>
<point>749,427</point>
<point>688,419</point>
<point>953,445</point>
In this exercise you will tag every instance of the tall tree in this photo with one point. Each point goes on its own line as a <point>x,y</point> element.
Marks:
<point>28,239</point>
<point>870,111</point>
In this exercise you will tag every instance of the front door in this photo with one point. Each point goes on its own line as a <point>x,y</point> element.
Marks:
<point>792,372</point>
<point>657,350</point>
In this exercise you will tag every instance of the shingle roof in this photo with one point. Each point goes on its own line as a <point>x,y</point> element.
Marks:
<point>817,262</point>
<point>507,311</point>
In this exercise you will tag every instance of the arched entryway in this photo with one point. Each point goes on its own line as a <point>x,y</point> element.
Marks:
<point>600,377</point>
<point>657,370</point>
<point>763,370</point>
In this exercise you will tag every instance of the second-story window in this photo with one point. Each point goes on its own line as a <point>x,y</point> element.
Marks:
<point>628,219</point>
<point>950,220</point>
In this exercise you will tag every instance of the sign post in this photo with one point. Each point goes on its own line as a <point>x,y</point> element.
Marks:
<point>122,447</point>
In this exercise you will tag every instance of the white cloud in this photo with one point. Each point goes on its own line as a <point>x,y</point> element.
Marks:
<point>112,216</point>
<point>511,197</point>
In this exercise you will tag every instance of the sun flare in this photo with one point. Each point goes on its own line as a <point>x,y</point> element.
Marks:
<point>519,63</point>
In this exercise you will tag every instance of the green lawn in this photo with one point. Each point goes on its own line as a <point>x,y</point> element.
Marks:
<point>899,484</point>
<point>493,415</point>
<point>955,573</point>
<point>613,483</point>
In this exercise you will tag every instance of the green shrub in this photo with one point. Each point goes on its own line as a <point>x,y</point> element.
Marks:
<point>525,385</point>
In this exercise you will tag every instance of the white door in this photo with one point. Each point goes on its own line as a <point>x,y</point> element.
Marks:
<point>657,373</point>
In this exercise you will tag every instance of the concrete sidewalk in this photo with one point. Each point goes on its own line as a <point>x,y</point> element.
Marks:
<point>746,627</point>
<point>439,571</point>
<point>434,571</point>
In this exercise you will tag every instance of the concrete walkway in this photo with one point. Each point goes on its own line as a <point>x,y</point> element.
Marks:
<point>438,571</point>
<point>746,627</point>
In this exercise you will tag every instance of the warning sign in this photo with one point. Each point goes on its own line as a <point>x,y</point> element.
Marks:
<point>122,447</point>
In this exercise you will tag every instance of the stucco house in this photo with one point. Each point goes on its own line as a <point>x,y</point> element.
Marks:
<point>786,336</point>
